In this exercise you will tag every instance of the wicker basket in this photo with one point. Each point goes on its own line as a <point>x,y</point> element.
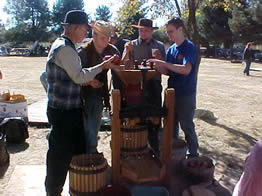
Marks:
<point>133,140</point>
<point>87,174</point>
<point>198,169</point>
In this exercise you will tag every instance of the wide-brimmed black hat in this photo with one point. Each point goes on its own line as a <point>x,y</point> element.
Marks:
<point>75,17</point>
<point>144,22</point>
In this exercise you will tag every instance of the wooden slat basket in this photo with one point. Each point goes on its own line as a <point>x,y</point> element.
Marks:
<point>87,174</point>
<point>133,140</point>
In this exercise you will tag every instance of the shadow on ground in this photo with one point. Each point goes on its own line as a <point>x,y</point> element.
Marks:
<point>15,148</point>
<point>230,162</point>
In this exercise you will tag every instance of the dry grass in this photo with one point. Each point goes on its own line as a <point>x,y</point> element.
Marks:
<point>222,89</point>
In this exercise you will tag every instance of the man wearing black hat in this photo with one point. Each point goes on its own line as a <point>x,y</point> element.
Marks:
<point>143,48</point>
<point>64,76</point>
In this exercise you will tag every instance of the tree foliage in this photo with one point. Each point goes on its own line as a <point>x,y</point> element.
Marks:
<point>246,22</point>
<point>103,13</point>
<point>160,35</point>
<point>213,24</point>
<point>2,32</point>
<point>31,18</point>
<point>60,8</point>
<point>130,13</point>
<point>164,8</point>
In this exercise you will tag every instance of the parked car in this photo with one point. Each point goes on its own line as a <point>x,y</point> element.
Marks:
<point>237,54</point>
<point>223,52</point>
<point>258,55</point>
<point>20,51</point>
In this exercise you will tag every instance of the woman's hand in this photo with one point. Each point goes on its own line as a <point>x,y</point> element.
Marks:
<point>109,63</point>
<point>93,83</point>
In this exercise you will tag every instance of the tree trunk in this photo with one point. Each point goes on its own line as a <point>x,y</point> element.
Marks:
<point>193,28</point>
<point>178,8</point>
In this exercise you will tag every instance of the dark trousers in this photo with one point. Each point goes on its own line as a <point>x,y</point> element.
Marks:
<point>66,139</point>
<point>154,97</point>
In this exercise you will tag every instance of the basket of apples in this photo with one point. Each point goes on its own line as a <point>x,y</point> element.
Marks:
<point>198,169</point>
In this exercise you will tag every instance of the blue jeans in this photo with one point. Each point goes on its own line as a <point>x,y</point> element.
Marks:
<point>248,63</point>
<point>66,139</point>
<point>43,80</point>
<point>184,114</point>
<point>92,114</point>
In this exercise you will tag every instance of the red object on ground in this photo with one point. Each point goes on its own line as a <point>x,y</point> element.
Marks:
<point>115,190</point>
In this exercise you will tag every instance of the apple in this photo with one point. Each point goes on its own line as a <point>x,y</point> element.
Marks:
<point>107,57</point>
<point>116,60</point>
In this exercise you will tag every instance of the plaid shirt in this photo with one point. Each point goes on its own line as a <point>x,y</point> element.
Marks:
<point>63,92</point>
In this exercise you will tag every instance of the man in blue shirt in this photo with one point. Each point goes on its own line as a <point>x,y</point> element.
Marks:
<point>180,65</point>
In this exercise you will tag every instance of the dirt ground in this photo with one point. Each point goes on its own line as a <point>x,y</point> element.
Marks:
<point>234,99</point>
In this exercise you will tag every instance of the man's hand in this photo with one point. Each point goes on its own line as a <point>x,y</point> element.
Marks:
<point>156,54</point>
<point>158,65</point>
<point>93,83</point>
<point>129,46</point>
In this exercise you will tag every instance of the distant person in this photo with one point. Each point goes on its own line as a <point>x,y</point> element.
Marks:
<point>95,98</point>
<point>41,50</point>
<point>5,51</point>
<point>65,76</point>
<point>250,182</point>
<point>118,42</point>
<point>180,66</point>
<point>247,58</point>
<point>43,80</point>
<point>1,75</point>
<point>139,50</point>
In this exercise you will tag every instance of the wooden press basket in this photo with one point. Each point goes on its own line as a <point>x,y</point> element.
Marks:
<point>133,140</point>
<point>87,174</point>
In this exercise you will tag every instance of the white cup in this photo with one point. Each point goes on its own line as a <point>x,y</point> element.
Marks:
<point>153,52</point>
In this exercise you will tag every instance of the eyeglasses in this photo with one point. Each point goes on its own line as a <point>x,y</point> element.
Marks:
<point>84,30</point>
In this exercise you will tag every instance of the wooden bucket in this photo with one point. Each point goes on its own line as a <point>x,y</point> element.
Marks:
<point>87,174</point>
<point>133,140</point>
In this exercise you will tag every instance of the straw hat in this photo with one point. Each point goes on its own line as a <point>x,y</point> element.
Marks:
<point>102,27</point>
<point>144,22</point>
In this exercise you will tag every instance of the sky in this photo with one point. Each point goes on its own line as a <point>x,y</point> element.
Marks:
<point>90,7</point>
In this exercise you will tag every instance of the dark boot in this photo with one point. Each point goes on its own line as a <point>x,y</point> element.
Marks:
<point>4,155</point>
